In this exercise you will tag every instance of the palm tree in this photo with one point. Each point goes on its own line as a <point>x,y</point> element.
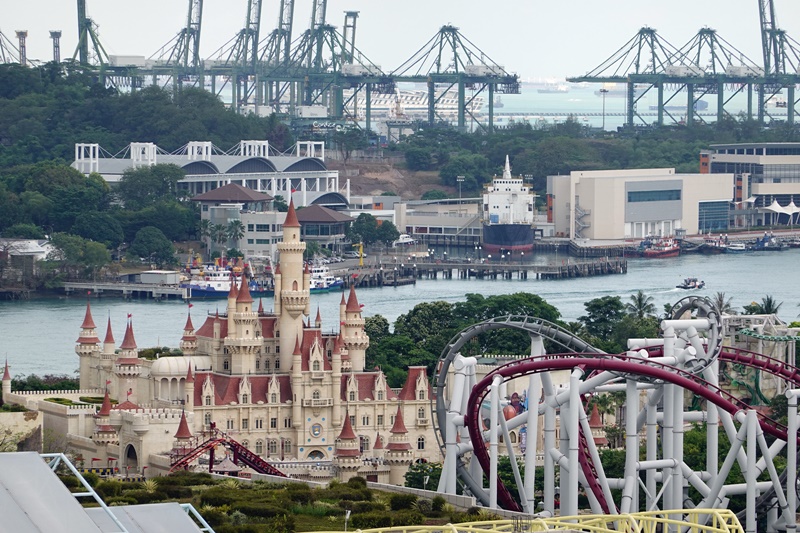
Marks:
<point>235,231</point>
<point>640,305</point>
<point>770,306</point>
<point>204,230</point>
<point>723,304</point>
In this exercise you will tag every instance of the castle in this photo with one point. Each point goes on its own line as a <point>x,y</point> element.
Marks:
<point>274,381</point>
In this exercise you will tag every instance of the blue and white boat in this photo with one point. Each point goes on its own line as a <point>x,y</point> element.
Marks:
<point>214,282</point>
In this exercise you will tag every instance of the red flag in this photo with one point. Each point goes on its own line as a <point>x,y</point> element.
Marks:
<point>361,305</point>
<point>191,305</point>
<point>108,382</point>
<point>130,315</point>
<point>88,293</point>
<point>130,391</point>
<point>112,459</point>
<point>96,459</point>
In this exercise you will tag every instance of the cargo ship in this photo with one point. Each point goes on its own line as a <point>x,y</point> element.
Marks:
<point>508,211</point>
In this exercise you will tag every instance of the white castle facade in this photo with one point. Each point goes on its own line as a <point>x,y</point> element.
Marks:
<point>296,397</point>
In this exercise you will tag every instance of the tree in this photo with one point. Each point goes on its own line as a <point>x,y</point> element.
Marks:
<point>101,227</point>
<point>350,140</point>
<point>364,229</point>
<point>601,315</point>
<point>280,204</point>
<point>78,256</point>
<point>723,304</point>
<point>235,231</point>
<point>768,306</point>
<point>434,194</point>
<point>417,472</point>
<point>418,158</point>
<point>145,186</point>
<point>24,231</point>
<point>386,233</point>
<point>640,305</point>
<point>376,328</point>
<point>151,243</point>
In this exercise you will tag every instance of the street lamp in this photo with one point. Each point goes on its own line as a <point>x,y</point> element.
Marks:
<point>478,252</point>
<point>603,93</point>
<point>460,180</point>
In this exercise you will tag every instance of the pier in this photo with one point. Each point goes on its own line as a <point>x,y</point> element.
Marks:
<point>392,275</point>
<point>129,290</point>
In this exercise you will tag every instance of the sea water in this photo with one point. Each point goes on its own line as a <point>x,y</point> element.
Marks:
<point>38,335</point>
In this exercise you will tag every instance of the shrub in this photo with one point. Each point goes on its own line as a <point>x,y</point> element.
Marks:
<point>215,517</point>
<point>281,524</point>
<point>108,488</point>
<point>300,494</point>
<point>400,502</point>
<point>71,482</point>
<point>357,482</point>
<point>218,496</point>
<point>363,507</point>
<point>407,518</point>
<point>424,506</point>
<point>176,492</point>
<point>371,520</point>
<point>260,509</point>
<point>91,478</point>
<point>184,477</point>
<point>143,496</point>
<point>438,503</point>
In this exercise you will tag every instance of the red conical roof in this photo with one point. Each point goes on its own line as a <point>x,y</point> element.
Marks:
<point>343,302</point>
<point>109,334</point>
<point>6,373</point>
<point>352,301</point>
<point>189,376</point>
<point>399,426</point>
<point>318,320</point>
<point>189,326</point>
<point>277,269</point>
<point>105,410</point>
<point>244,291</point>
<point>129,342</point>
<point>347,429</point>
<point>594,419</point>
<point>260,307</point>
<point>291,216</point>
<point>378,442</point>
<point>297,350</point>
<point>234,292</point>
<point>183,429</point>
<point>88,323</point>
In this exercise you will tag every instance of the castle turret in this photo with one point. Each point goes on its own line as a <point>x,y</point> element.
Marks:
<point>108,342</point>
<point>336,379</point>
<point>189,340</point>
<point>128,346</point>
<point>347,455</point>
<point>183,434</point>
<point>294,296</point>
<point>355,338</point>
<point>189,390</point>
<point>242,344</point>
<point>342,310</point>
<point>398,453</point>
<point>297,383</point>
<point>6,384</point>
<point>104,433</point>
<point>88,348</point>
<point>378,450</point>
<point>318,320</point>
<point>233,293</point>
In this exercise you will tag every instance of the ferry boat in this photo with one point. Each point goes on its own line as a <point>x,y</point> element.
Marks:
<point>553,88</point>
<point>663,247</point>
<point>321,275</point>
<point>214,282</point>
<point>508,211</point>
<point>735,248</point>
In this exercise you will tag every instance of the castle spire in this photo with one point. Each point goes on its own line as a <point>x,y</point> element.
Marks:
<point>183,428</point>
<point>189,375</point>
<point>105,410</point>
<point>244,291</point>
<point>88,322</point>
<point>352,302</point>
<point>109,334</point>
<point>399,427</point>
<point>6,373</point>
<point>507,170</point>
<point>291,216</point>
<point>128,342</point>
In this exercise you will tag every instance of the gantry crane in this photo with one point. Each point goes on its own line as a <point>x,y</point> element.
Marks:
<point>179,59</point>
<point>89,50</point>
<point>276,53</point>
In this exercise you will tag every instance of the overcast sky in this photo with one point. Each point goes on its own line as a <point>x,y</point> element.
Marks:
<point>533,38</point>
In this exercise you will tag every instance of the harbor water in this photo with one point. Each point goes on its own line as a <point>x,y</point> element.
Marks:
<point>38,335</point>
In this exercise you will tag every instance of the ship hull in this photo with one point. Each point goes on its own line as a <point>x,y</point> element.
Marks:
<point>507,237</point>
<point>210,293</point>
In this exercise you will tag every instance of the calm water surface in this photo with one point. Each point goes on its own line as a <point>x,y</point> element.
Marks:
<point>38,336</point>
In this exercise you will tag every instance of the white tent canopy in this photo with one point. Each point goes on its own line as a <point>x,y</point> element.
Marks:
<point>775,207</point>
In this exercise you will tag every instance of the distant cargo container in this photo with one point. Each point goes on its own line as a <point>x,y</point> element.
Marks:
<point>127,61</point>
<point>161,277</point>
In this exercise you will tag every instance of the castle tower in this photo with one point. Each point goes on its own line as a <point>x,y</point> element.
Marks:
<point>241,343</point>
<point>318,320</point>
<point>398,452</point>
<point>88,348</point>
<point>233,293</point>
<point>183,438</point>
<point>336,380</point>
<point>104,434</point>
<point>347,455</point>
<point>378,451</point>
<point>188,343</point>
<point>6,383</point>
<point>297,384</point>
<point>355,338</point>
<point>108,343</point>
<point>127,366</point>
<point>292,300</point>
<point>128,346</point>
<point>342,308</point>
<point>188,390</point>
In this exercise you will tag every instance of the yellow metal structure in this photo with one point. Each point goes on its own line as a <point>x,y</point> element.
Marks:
<point>689,521</point>
<point>360,247</point>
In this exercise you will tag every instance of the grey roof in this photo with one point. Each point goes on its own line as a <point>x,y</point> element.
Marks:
<point>146,518</point>
<point>222,163</point>
<point>33,499</point>
<point>233,192</point>
<point>318,213</point>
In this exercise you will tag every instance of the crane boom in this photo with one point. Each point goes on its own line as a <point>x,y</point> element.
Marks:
<point>284,44</point>
<point>770,38</point>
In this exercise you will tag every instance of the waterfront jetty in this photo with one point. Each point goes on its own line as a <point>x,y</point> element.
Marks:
<point>129,290</point>
<point>392,275</point>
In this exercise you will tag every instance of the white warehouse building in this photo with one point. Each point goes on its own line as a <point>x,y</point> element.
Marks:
<point>620,204</point>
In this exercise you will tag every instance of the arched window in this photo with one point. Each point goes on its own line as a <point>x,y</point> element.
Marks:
<point>294,285</point>
<point>363,443</point>
<point>245,443</point>
<point>315,395</point>
<point>208,400</point>
<point>380,395</point>
<point>512,437</point>
<point>352,396</point>
<point>421,443</point>
<point>287,447</point>
<point>315,366</point>
<point>258,364</point>
<point>245,398</point>
<point>207,419</point>
<point>273,398</point>
<point>421,413</point>
<point>259,447</point>
<point>226,365</point>
<point>422,395</point>
<point>267,365</point>
<point>273,446</point>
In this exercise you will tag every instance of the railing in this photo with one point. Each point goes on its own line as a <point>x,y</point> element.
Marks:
<point>321,402</point>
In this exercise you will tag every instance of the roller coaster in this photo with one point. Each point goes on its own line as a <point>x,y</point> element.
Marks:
<point>668,383</point>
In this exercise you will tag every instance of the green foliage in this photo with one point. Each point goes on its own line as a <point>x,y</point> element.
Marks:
<point>79,257</point>
<point>150,242</point>
<point>146,496</point>
<point>434,194</point>
<point>474,168</point>
<point>32,382</point>
<point>362,507</point>
<point>401,501</point>
<point>386,233</point>
<point>280,204</point>
<point>407,517</point>
<point>376,327</point>
<point>601,315</point>
<point>415,475</point>
<point>371,520</point>
<point>218,496</point>
<point>100,227</point>
<point>23,230</point>
<point>357,482</point>
<point>418,158</point>
<point>767,306</point>
<point>437,504</point>
<point>364,229</point>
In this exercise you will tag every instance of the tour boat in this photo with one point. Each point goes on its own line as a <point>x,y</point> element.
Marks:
<point>664,247</point>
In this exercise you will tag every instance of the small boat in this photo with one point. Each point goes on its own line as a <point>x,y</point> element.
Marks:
<point>321,274</point>
<point>691,283</point>
<point>735,248</point>
<point>664,247</point>
<point>215,282</point>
